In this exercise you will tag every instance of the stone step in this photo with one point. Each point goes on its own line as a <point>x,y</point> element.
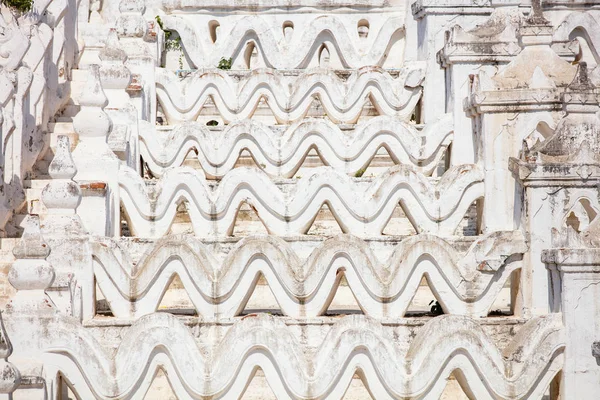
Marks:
<point>36,184</point>
<point>63,119</point>
<point>39,174</point>
<point>61,128</point>
<point>33,194</point>
<point>77,87</point>
<point>6,260</point>
<point>72,135</point>
<point>40,169</point>
<point>79,75</point>
<point>70,111</point>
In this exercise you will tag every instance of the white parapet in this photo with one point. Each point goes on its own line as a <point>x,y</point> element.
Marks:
<point>302,195</point>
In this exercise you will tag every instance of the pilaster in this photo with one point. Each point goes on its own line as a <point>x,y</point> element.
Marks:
<point>560,176</point>
<point>577,281</point>
<point>434,18</point>
<point>488,46</point>
<point>511,106</point>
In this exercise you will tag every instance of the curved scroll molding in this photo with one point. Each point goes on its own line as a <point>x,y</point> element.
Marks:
<point>305,288</point>
<point>588,25</point>
<point>13,42</point>
<point>358,209</point>
<point>283,154</point>
<point>584,21</point>
<point>290,98</point>
<point>523,369</point>
<point>279,53</point>
<point>29,53</point>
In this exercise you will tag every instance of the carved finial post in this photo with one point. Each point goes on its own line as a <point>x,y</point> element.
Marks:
<point>536,17</point>
<point>31,274</point>
<point>116,79</point>
<point>537,30</point>
<point>131,23</point>
<point>10,377</point>
<point>62,225</point>
<point>92,123</point>
<point>62,195</point>
<point>114,75</point>
<point>96,163</point>
<point>138,38</point>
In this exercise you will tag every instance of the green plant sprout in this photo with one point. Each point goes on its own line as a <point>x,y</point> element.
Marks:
<point>225,63</point>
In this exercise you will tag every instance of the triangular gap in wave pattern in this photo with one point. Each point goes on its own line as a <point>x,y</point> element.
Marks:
<point>192,161</point>
<point>264,114</point>
<point>102,305</point>
<point>470,225</point>
<point>261,299</point>
<point>399,224</point>
<point>182,223</point>
<point>246,160</point>
<point>424,302</point>
<point>258,388</point>
<point>316,109</point>
<point>379,164</point>
<point>343,301</point>
<point>247,222</point>
<point>64,389</point>
<point>325,223</point>
<point>368,111</point>
<point>176,299</point>
<point>312,159</point>
<point>358,388</point>
<point>208,114</point>
<point>554,388</point>
<point>457,388</point>
<point>506,300</point>
<point>160,388</point>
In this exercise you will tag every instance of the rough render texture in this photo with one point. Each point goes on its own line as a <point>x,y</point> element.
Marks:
<point>389,199</point>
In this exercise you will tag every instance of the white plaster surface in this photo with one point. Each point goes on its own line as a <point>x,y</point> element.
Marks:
<point>379,199</point>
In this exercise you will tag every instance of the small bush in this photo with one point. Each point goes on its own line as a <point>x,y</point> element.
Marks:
<point>225,63</point>
<point>170,44</point>
<point>18,5</point>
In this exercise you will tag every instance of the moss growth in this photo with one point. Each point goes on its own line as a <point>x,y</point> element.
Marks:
<point>360,173</point>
